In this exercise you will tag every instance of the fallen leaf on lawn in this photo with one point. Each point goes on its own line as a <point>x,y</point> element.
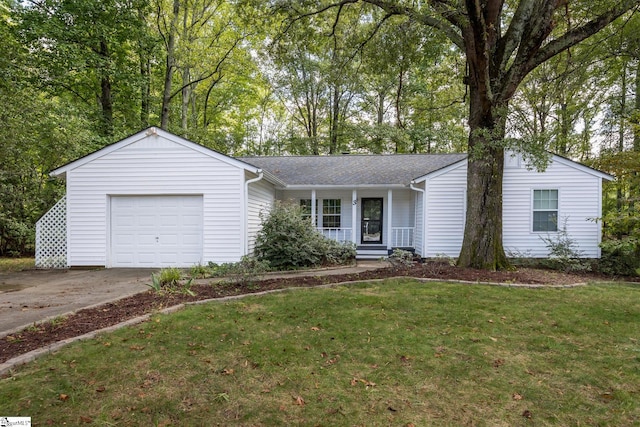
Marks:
<point>369,384</point>
<point>315,328</point>
<point>517,396</point>
<point>498,362</point>
<point>493,339</point>
<point>63,397</point>
<point>527,414</point>
<point>227,371</point>
<point>100,389</point>
<point>333,360</point>
<point>354,381</point>
<point>299,401</point>
<point>136,347</point>
<point>490,321</point>
<point>86,420</point>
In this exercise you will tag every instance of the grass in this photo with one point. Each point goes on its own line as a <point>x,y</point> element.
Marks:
<point>396,353</point>
<point>16,264</point>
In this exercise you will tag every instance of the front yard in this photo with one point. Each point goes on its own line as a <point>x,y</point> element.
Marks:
<point>397,352</point>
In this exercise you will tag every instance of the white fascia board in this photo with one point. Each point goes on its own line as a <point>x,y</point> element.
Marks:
<point>273,179</point>
<point>446,169</point>
<point>581,167</point>
<point>346,187</point>
<point>61,171</point>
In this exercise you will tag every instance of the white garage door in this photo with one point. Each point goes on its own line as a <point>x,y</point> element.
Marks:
<point>156,231</point>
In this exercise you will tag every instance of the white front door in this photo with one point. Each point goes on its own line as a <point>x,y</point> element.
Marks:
<point>156,231</point>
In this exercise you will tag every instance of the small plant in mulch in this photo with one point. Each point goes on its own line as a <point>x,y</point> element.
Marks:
<point>401,258</point>
<point>168,280</point>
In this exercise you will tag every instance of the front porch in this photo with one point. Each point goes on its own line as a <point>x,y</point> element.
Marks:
<point>401,238</point>
<point>376,221</point>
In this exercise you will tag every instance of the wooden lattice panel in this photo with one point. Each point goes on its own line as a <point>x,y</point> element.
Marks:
<point>51,237</point>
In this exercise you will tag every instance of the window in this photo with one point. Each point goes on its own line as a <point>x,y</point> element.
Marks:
<point>331,213</point>
<point>305,206</point>
<point>545,210</point>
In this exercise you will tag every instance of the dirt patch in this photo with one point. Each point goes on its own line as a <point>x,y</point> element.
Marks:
<point>110,314</point>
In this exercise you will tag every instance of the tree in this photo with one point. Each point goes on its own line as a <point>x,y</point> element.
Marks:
<point>83,50</point>
<point>502,43</point>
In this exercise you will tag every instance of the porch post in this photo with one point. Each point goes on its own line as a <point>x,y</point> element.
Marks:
<point>389,216</point>
<point>314,219</point>
<point>354,216</point>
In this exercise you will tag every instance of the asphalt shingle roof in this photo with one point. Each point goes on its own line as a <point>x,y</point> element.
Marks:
<point>353,169</point>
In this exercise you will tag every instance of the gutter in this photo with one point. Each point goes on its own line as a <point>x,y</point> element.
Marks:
<point>245,223</point>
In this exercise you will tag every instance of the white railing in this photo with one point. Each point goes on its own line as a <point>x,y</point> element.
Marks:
<point>402,237</point>
<point>339,234</point>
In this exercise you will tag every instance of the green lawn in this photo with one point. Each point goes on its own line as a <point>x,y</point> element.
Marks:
<point>395,353</point>
<point>16,264</point>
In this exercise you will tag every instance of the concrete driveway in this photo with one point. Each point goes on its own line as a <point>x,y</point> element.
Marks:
<point>28,297</point>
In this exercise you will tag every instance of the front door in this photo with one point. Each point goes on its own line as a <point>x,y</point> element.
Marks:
<point>371,221</point>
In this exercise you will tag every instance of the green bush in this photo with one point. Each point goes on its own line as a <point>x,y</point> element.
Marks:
<point>288,241</point>
<point>245,271</point>
<point>400,257</point>
<point>564,254</point>
<point>620,257</point>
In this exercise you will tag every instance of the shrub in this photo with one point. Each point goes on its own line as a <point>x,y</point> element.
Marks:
<point>400,257</point>
<point>620,257</point>
<point>338,253</point>
<point>563,252</point>
<point>245,271</point>
<point>289,241</point>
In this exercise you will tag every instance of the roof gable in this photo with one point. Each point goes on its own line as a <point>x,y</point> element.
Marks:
<point>160,136</point>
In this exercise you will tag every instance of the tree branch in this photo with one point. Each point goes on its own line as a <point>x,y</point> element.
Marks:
<point>576,35</point>
<point>448,28</point>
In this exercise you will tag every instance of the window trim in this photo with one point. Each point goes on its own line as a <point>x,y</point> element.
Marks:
<point>532,210</point>
<point>332,215</point>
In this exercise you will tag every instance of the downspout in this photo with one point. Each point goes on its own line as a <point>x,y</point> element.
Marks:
<point>424,205</point>
<point>245,223</point>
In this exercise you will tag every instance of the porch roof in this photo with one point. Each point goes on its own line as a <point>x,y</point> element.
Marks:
<point>353,169</point>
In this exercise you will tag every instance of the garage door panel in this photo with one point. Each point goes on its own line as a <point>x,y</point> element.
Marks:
<point>156,231</point>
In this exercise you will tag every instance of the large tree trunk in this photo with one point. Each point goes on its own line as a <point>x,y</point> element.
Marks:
<point>482,243</point>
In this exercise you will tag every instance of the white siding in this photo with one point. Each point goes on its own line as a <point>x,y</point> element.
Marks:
<point>579,203</point>
<point>445,212</point>
<point>261,196</point>
<point>403,208</point>
<point>154,166</point>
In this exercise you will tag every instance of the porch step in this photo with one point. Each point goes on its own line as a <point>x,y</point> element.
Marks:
<point>376,252</point>
<point>371,252</point>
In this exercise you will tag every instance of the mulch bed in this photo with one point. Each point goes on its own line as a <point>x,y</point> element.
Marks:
<point>110,314</point>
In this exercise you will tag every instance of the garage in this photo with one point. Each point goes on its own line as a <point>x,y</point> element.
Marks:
<point>156,231</point>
